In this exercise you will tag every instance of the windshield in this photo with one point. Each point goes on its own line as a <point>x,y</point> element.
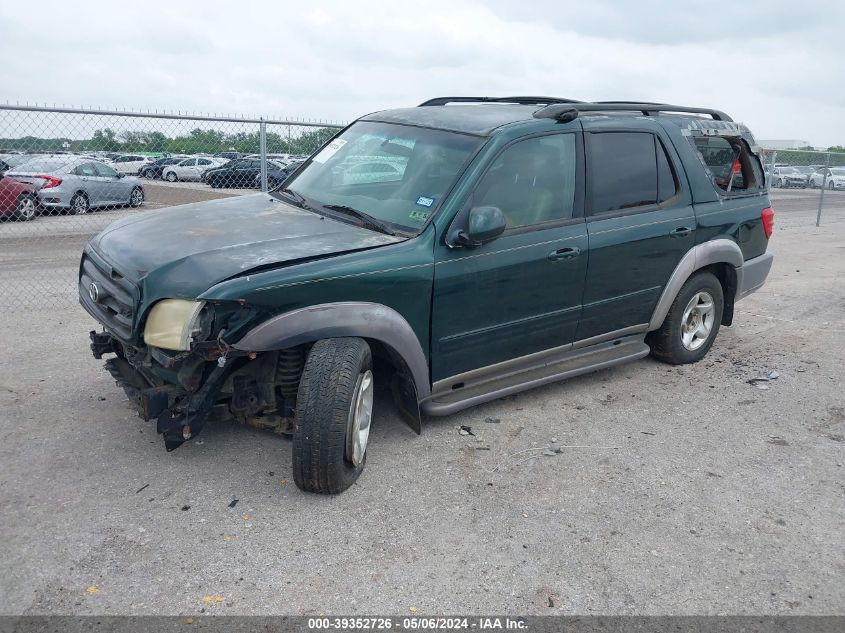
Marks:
<point>397,174</point>
<point>838,171</point>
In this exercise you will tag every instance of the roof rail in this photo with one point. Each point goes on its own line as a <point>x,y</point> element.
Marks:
<point>553,111</point>
<point>439,101</point>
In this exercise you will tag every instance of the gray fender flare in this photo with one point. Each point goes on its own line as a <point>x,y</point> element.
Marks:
<point>334,320</point>
<point>711,252</point>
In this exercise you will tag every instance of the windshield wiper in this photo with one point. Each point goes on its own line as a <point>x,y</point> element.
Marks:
<point>297,197</point>
<point>368,220</point>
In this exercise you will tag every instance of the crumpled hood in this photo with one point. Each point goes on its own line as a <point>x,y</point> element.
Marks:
<point>188,249</point>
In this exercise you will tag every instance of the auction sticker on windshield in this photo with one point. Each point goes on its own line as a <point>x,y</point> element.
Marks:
<point>329,150</point>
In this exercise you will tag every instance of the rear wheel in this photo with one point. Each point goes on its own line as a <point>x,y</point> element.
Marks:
<point>692,322</point>
<point>334,407</point>
<point>79,204</point>
<point>26,209</point>
<point>831,185</point>
<point>171,177</point>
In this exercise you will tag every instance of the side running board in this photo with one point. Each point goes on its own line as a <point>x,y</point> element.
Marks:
<point>569,364</point>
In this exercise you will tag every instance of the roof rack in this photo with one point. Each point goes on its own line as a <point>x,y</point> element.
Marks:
<point>439,101</point>
<point>556,110</point>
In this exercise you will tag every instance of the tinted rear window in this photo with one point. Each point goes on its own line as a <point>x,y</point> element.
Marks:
<point>623,168</point>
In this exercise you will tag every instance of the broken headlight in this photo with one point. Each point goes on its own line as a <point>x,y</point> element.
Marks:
<point>173,323</point>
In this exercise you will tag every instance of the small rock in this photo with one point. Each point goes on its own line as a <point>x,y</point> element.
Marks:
<point>185,508</point>
<point>492,420</point>
<point>465,430</point>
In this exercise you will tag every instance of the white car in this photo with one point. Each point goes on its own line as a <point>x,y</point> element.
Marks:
<point>830,177</point>
<point>191,168</point>
<point>130,163</point>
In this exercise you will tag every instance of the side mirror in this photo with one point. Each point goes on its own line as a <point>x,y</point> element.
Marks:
<point>486,224</point>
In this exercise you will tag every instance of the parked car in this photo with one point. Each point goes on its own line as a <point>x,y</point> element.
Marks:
<point>77,185</point>
<point>236,173</point>
<point>277,173</point>
<point>10,161</point>
<point>154,169</point>
<point>130,163</point>
<point>228,155</point>
<point>788,177</point>
<point>191,169</point>
<point>467,278</point>
<point>830,177</point>
<point>18,199</point>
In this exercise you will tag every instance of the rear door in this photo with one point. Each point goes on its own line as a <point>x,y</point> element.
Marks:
<point>640,223</point>
<point>91,183</point>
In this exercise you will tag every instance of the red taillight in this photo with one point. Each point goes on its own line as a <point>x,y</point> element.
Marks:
<point>736,168</point>
<point>49,181</point>
<point>768,218</point>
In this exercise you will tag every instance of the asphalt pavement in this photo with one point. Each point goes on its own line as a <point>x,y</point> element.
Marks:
<point>678,490</point>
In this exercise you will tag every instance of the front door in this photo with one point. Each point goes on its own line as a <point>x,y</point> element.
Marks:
<point>520,293</point>
<point>640,223</point>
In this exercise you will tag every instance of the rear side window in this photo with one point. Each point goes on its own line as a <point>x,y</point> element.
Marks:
<point>628,170</point>
<point>731,166</point>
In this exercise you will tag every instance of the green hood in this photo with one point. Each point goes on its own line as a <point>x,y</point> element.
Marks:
<point>182,251</point>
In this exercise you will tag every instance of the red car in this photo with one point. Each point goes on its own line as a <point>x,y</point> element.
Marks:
<point>17,199</point>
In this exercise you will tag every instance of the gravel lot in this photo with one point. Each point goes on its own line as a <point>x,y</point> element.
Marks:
<point>687,490</point>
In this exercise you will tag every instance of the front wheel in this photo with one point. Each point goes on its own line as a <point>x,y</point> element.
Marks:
<point>136,198</point>
<point>692,323</point>
<point>334,406</point>
<point>171,177</point>
<point>831,185</point>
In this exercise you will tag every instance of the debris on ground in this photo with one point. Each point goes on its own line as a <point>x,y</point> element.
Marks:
<point>492,420</point>
<point>760,381</point>
<point>465,430</point>
<point>212,599</point>
<point>233,503</point>
<point>142,488</point>
<point>647,433</point>
<point>551,449</point>
<point>185,508</point>
<point>777,440</point>
<point>92,589</point>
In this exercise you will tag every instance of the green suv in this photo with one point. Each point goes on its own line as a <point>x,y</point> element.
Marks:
<point>455,253</point>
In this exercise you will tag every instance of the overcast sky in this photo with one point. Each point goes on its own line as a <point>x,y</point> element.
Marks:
<point>778,66</point>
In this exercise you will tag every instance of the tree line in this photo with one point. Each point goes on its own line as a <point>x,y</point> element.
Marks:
<point>197,141</point>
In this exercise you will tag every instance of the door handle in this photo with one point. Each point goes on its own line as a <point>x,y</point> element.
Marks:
<point>681,231</point>
<point>570,252</point>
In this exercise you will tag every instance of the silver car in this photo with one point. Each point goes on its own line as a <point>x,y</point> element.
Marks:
<point>78,184</point>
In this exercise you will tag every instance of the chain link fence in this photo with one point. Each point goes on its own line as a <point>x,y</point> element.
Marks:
<point>806,181</point>
<point>69,173</point>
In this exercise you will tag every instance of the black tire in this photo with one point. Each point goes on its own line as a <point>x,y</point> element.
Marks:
<point>214,183</point>
<point>326,394</point>
<point>26,208</point>
<point>79,204</point>
<point>136,198</point>
<point>831,185</point>
<point>666,344</point>
<point>171,177</point>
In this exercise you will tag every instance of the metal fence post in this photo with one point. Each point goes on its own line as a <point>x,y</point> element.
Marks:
<point>262,134</point>
<point>772,169</point>
<point>824,185</point>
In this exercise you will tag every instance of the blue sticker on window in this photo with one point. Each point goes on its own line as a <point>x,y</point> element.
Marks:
<point>425,201</point>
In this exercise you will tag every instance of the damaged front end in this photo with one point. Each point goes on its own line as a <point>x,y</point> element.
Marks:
<point>184,391</point>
